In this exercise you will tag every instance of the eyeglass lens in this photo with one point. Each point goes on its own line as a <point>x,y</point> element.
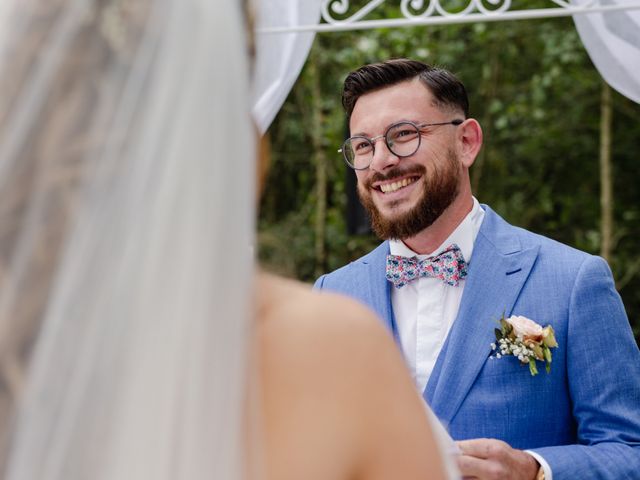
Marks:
<point>402,140</point>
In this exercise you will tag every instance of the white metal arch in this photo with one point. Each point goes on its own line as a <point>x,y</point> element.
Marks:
<point>338,15</point>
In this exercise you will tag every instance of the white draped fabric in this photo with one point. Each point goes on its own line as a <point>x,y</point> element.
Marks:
<point>280,57</point>
<point>613,42</point>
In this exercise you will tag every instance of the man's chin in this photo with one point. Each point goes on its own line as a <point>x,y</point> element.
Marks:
<point>404,221</point>
<point>391,216</point>
<point>394,209</point>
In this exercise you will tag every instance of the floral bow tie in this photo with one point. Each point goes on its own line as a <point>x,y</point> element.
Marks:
<point>449,266</point>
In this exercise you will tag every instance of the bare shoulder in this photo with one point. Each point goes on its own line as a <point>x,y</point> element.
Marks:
<point>310,382</point>
<point>314,334</point>
<point>288,303</point>
<point>306,334</point>
<point>328,368</point>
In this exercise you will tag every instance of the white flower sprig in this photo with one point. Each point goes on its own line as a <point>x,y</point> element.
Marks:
<point>526,340</point>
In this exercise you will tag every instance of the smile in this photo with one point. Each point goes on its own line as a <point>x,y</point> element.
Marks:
<point>395,186</point>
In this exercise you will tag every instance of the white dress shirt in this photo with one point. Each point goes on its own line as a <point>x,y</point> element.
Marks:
<point>425,308</point>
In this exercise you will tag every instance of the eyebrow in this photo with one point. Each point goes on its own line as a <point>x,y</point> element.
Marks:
<point>362,134</point>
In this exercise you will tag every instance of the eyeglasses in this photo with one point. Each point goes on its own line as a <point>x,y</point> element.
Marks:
<point>402,139</point>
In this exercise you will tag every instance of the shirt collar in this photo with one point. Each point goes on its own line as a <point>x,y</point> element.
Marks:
<point>464,236</point>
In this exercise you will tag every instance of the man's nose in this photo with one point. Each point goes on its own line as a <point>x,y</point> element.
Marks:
<point>383,157</point>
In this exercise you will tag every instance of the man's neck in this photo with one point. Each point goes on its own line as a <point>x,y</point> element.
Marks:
<point>432,237</point>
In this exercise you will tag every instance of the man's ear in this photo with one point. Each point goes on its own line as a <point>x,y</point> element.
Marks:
<point>469,141</point>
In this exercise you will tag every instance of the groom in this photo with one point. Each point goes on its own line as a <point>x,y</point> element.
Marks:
<point>412,145</point>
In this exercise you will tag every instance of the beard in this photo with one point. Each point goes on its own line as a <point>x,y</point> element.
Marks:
<point>439,191</point>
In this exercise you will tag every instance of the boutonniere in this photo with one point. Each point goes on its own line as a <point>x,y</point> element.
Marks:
<point>525,339</point>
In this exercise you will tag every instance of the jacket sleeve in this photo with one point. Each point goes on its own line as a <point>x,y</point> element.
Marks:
<point>603,369</point>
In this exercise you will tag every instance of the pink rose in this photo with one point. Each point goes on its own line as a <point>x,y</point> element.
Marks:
<point>525,328</point>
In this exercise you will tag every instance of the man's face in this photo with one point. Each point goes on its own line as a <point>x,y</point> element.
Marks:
<point>418,188</point>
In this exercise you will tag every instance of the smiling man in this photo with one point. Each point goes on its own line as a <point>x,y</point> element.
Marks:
<point>450,268</point>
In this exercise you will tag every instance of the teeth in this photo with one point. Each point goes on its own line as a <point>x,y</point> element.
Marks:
<point>392,187</point>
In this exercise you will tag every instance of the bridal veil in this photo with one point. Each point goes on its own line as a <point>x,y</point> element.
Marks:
<point>126,223</point>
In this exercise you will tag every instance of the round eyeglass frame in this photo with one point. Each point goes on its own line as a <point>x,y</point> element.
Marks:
<point>372,141</point>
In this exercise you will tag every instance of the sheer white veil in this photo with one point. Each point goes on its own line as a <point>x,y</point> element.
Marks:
<point>126,219</point>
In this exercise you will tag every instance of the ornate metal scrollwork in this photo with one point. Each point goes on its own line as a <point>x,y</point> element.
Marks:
<point>341,7</point>
<point>335,12</point>
<point>347,15</point>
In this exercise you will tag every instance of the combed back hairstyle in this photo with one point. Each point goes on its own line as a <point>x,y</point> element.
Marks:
<point>447,90</point>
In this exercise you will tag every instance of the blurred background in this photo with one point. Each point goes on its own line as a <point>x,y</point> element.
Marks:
<point>555,134</point>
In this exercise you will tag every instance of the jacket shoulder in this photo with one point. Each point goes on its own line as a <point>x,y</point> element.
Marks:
<point>343,278</point>
<point>509,239</point>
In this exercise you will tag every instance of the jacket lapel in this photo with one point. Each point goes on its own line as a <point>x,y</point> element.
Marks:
<point>378,288</point>
<point>497,271</point>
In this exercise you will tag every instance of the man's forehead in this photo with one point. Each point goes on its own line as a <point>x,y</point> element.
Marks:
<point>409,100</point>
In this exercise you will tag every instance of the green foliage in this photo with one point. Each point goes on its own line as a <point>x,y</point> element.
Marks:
<point>536,93</point>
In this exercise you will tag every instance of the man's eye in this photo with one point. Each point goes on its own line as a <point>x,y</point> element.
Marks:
<point>404,135</point>
<point>362,146</point>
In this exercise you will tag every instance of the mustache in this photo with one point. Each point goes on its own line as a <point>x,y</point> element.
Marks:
<point>396,172</point>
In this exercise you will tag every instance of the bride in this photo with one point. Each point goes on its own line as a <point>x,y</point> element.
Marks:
<point>136,341</point>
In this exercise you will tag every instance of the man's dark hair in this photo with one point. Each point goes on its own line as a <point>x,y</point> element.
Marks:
<point>445,87</point>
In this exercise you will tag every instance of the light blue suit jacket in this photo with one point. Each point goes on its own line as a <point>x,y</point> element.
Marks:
<point>583,417</point>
